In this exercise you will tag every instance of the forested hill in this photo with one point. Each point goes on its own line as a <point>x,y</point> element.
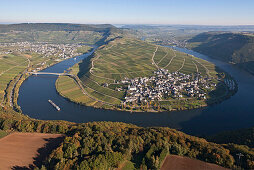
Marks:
<point>242,137</point>
<point>108,145</point>
<point>236,48</point>
<point>55,27</point>
<point>56,33</point>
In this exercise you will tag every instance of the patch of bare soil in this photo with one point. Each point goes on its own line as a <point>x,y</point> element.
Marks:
<point>26,150</point>
<point>175,162</point>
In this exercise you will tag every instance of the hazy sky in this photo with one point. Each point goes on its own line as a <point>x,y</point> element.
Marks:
<point>205,12</point>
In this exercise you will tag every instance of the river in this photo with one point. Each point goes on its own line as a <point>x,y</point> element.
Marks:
<point>234,113</point>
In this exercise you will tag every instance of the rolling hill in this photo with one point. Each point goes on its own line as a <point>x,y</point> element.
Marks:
<point>55,32</point>
<point>235,48</point>
<point>54,27</point>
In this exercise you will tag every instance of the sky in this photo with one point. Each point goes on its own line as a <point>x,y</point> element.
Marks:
<point>186,12</point>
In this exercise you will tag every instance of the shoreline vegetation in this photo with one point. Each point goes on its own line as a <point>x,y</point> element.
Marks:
<point>104,90</point>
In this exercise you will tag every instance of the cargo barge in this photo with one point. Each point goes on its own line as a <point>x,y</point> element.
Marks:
<point>53,104</point>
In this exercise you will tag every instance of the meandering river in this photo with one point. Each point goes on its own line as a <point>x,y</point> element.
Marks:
<point>234,113</point>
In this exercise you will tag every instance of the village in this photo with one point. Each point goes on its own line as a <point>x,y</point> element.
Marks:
<point>165,86</point>
<point>62,51</point>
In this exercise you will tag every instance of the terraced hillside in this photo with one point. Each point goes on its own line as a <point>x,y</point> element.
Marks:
<point>104,77</point>
<point>141,59</point>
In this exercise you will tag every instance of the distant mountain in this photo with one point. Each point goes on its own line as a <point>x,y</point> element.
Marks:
<point>56,32</point>
<point>54,27</point>
<point>235,48</point>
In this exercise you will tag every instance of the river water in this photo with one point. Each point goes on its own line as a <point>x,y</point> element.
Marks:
<point>234,113</point>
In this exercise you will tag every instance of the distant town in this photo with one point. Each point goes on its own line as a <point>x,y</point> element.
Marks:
<point>62,51</point>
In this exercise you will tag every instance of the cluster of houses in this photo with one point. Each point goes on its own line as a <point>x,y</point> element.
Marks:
<point>62,51</point>
<point>169,40</point>
<point>164,86</point>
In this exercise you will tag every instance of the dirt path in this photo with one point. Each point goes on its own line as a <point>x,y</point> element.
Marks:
<point>175,162</point>
<point>25,150</point>
<point>207,70</point>
<point>181,66</point>
<point>171,59</point>
<point>195,66</point>
<point>162,58</point>
<point>153,57</point>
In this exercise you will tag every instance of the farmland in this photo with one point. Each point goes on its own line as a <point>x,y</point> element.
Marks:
<point>10,66</point>
<point>173,162</point>
<point>107,76</point>
<point>19,150</point>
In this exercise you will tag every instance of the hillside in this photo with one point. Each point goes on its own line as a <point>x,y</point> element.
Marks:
<point>235,48</point>
<point>177,34</point>
<point>162,79</point>
<point>241,137</point>
<point>98,145</point>
<point>55,32</point>
<point>54,27</point>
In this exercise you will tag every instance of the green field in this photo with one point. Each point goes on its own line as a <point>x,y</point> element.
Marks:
<point>10,67</point>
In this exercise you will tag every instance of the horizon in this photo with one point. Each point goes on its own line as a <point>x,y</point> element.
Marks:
<point>12,23</point>
<point>161,12</point>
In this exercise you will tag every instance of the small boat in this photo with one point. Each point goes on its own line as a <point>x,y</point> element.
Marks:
<point>53,104</point>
